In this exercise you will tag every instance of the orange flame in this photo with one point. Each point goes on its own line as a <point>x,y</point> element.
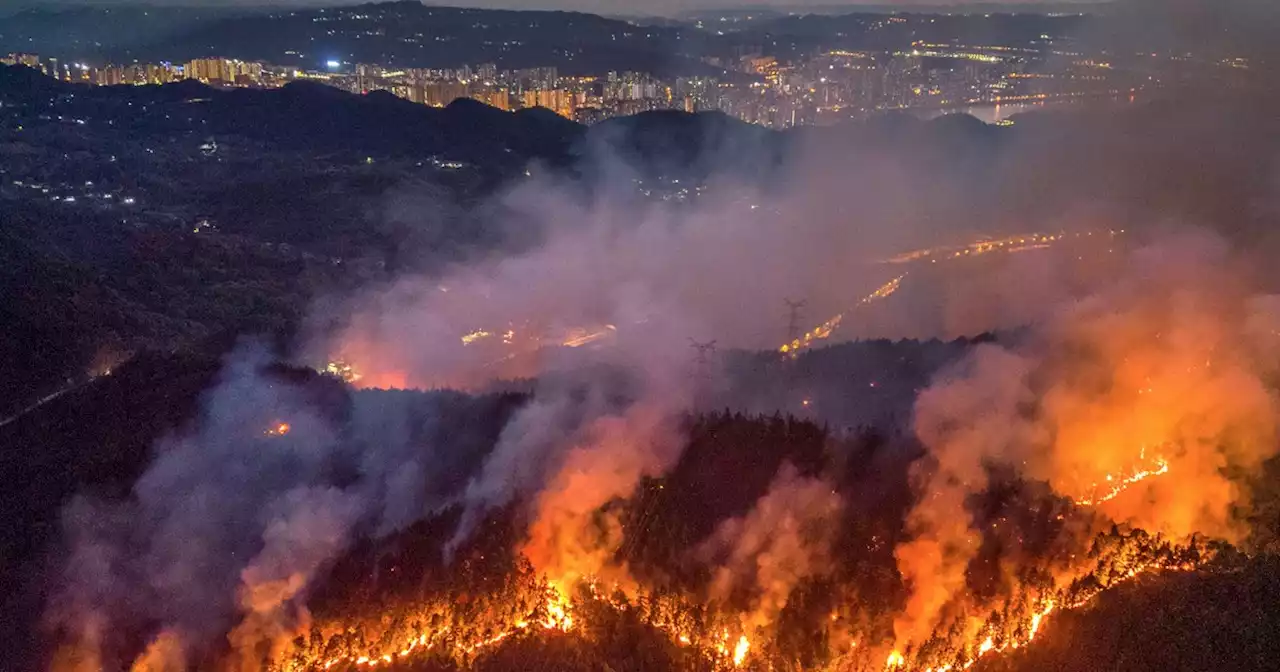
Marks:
<point>1115,484</point>
<point>740,651</point>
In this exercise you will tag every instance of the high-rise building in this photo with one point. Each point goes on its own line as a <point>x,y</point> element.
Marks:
<point>411,92</point>
<point>220,70</point>
<point>560,101</point>
<point>439,94</point>
<point>18,58</point>
<point>495,97</point>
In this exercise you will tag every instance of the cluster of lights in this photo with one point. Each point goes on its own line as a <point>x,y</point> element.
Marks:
<point>824,330</point>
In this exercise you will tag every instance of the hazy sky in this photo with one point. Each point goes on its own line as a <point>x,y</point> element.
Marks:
<point>597,6</point>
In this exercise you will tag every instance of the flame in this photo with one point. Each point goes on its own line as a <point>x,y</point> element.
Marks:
<point>468,339</point>
<point>1025,631</point>
<point>557,606</point>
<point>558,617</point>
<point>1115,484</point>
<point>740,651</point>
<point>580,337</point>
<point>341,369</point>
<point>279,429</point>
<point>163,654</point>
<point>1036,618</point>
<point>726,647</point>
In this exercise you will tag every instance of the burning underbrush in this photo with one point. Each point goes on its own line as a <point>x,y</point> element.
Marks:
<point>803,577</point>
<point>791,568</point>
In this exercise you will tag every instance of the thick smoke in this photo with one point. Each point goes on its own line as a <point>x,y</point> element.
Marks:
<point>568,540</point>
<point>1148,399</point>
<point>204,524</point>
<point>307,529</point>
<point>233,521</point>
<point>783,540</point>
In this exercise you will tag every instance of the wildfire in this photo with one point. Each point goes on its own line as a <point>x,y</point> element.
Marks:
<point>279,429</point>
<point>1115,484</point>
<point>740,650</point>
<point>1025,632</point>
<point>728,648</point>
<point>557,606</point>
<point>468,339</point>
<point>558,617</point>
<point>341,369</point>
<point>580,337</point>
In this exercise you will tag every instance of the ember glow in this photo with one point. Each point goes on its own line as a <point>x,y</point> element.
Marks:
<point>342,370</point>
<point>724,649</point>
<point>740,650</point>
<point>1113,485</point>
<point>554,612</point>
<point>468,339</point>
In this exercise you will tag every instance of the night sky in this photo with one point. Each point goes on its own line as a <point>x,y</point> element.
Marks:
<point>650,7</point>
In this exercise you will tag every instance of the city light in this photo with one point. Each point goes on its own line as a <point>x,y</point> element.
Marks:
<point>823,87</point>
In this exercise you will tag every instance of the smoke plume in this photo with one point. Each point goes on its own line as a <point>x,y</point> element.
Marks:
<point>1147,399</point>
<point>236,517</point>
<point>783,540</point>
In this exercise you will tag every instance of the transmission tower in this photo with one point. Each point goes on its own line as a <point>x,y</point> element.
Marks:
<point>703,358</point>
<point>793,318</point>
<point>705,350</point>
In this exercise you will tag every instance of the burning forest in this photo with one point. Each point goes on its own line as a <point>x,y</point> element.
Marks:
<point>608,517</point>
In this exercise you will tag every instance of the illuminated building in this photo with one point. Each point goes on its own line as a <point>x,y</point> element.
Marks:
<point>221,70</point>
<point>499,98</point>
<point>439,94</point>
<point>29,60</point>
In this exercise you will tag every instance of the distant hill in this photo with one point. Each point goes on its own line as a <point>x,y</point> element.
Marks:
<point>411,34</point>
<point>405,34</point>
<point>302,115</point>
<point>672,143</point>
